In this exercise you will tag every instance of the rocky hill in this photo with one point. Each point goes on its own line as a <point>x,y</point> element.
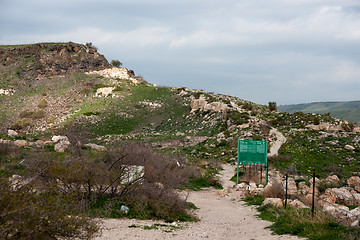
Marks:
<point>47,87</point>
<point>55,96</point>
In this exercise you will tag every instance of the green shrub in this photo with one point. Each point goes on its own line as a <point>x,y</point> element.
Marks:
<point>272,106</point>
<point>22,123</point>
<point>32,114</point>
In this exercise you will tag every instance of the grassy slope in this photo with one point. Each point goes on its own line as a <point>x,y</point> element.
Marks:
<point>344,110</point>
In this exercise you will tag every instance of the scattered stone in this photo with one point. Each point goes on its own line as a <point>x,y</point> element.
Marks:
<point>349,147</point>
<point>96,147</point>
<point>20,143</point>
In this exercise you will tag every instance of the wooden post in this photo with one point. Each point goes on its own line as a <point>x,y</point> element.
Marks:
<point>313,196</point>
<point>286,187</point>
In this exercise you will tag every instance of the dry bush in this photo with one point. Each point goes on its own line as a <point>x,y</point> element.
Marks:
<point>274,190</point>
<point>92,176</point>
<point>22,123</point>
<point>42,103</point>
<point>27,213</point>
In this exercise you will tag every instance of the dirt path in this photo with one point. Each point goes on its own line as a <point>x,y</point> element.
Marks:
<point>220,218</point>
<point>280,140</point>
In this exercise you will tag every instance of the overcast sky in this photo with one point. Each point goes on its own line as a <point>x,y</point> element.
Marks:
<point>288,51</point>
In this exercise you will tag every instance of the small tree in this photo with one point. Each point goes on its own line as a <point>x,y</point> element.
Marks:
<point>272,106</point>
<point>116,63</point>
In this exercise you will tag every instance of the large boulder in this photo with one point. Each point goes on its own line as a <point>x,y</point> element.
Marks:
<point>277,202</point>
<point>337,211</point>
<point>331,179</point>
<point>354,182</point>
<point>343,195</point>
<point>328,196</point>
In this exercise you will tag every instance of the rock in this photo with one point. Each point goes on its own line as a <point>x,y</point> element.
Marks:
<point>349,147</point>
<point>355,213</point>
<point>252,185</point>
<point>353,181</point>
<point>292,189</point>
<point>96,147</point>
<point>343,195</point>
<point>336,211</point>
<point>116,72</point>
<point>39,143</point>
<point>328,196</point>
<point>202,104</point>
<point>355,223</point>
<point>20,143</point>
<point>332,179</point>
<point>357,188</point>
<point>104,92</point>
<point>356,198</point>
<point>272,201</point>
<point>12,133</point>
<point>296,204</point>
<point>61,143</point>
<point>56,139</point>
<point>316,181</point>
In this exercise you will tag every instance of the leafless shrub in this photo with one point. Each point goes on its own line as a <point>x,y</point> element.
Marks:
<point>26,213</point>
<point>274,190</point>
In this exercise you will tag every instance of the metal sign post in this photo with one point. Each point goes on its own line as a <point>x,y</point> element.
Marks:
<point>252,153</point>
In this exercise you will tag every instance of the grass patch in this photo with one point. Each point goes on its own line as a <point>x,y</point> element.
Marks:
<point>197,184</point>
<point>255,200</point>
<point>300,222</point>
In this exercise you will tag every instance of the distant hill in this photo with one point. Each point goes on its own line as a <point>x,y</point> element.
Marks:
<point>344,110</point>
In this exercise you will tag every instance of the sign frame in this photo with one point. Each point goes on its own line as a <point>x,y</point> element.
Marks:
<point>252,153</point>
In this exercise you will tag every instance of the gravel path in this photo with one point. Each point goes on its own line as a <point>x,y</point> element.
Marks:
<point>220,218</point>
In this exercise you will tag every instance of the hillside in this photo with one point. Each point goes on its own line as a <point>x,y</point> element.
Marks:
<point>106,138</point>
<point>344,110</point>
<point>114,105</point>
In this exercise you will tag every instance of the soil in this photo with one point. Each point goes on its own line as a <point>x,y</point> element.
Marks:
<point>221,217</point>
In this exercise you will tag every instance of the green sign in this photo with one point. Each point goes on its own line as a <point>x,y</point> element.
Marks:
<point>252,153</point>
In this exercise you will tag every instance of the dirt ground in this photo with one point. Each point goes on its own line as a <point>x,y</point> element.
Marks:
<point>220,218</point>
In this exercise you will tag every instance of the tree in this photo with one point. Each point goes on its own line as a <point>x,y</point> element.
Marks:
<point>272,106</point>
<point>116,63</point>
